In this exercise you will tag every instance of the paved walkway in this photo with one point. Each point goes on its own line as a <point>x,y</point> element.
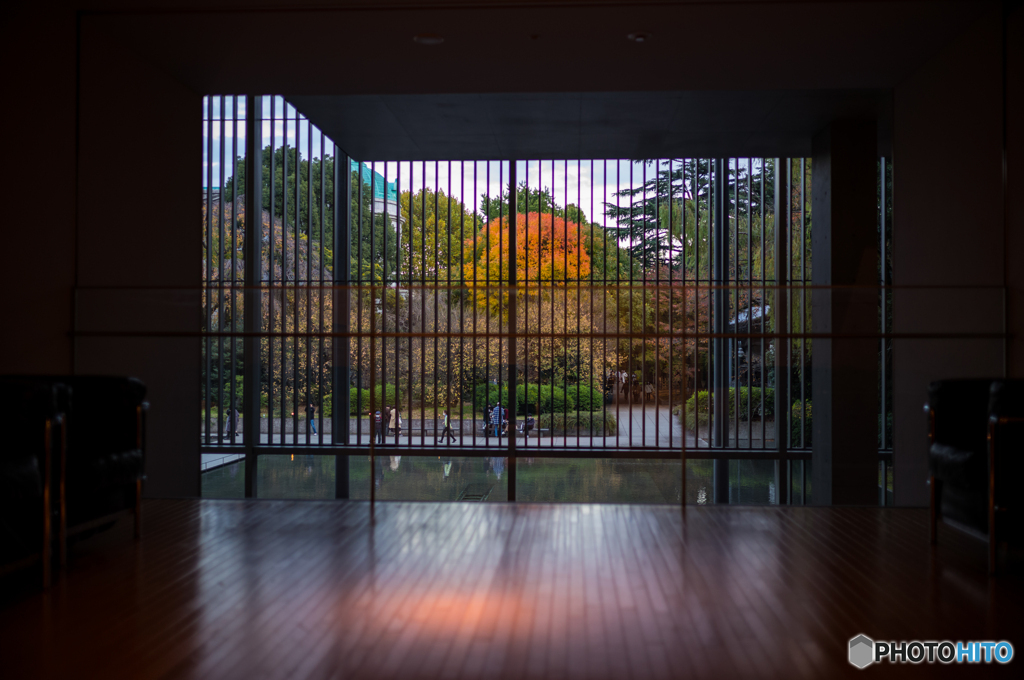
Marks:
<point>639,425</point>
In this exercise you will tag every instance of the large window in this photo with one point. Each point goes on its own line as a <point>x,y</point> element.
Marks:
<point>626,316</point>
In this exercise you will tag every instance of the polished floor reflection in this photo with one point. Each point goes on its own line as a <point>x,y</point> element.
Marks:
<point>275,589</point>
<point>485,478</point>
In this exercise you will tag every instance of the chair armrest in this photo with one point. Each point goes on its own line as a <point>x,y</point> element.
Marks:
<point>930,412</point>
<point>143,413</point>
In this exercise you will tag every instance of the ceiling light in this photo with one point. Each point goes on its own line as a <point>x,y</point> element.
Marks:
<point>639,36</point>
<point>427,39</point>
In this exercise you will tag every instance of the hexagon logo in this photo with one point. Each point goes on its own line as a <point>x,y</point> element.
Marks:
<point>862,651</point>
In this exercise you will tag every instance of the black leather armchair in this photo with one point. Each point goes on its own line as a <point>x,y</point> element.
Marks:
<point>104,469</point>
<point>32,427</point>
<point>974,427</point>
<point>106,450</point>
<point>1005,463</point>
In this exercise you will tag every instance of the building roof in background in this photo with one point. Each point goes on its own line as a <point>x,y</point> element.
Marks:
<point>376,180</point>
<point>754,314</point>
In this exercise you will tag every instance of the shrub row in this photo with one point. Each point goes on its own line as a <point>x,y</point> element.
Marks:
<point>796,420</point>
<point>544,398</point>
<point>698,408</point>
<point>359,398</point>
<point>799,419</point>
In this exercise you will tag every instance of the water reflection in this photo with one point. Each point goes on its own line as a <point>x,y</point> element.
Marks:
<point>429,478</point>
<point>227,481</point>
<point>452,478</point>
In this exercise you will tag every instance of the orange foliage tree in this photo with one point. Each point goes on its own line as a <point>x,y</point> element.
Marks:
<point>549,254</point>
<point>557,304</point>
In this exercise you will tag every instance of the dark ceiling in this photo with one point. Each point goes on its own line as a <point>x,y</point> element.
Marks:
<point>586,125</point>
<point>558,80</point>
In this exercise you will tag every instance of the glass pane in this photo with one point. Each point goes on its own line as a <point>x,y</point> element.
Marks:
<point>430,478</point>
<point>596,480</point>
<point>752,482</point>
<point>295,476</point>
<point>225,481</point>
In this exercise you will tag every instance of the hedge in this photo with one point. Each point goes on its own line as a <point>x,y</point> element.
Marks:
<point>700,414</point>
<point>488,394</point>
<point>359,398</point>
<point>557,400</point>
<point>795,422</point>
<point>532,394</point>
<point>586,397</point>
<point>598,424</point>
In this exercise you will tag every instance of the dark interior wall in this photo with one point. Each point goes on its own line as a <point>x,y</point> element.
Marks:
<point>1015,187</point>
<point>90,267</point>
<point>37,49</point>
<point>139,244</point>
<point>948,231</point>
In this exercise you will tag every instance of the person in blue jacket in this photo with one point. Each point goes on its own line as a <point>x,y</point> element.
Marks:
<point>496,419</point>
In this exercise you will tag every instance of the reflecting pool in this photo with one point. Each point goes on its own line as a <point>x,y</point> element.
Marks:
<point>485,479</point>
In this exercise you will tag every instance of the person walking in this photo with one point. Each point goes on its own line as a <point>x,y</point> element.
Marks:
<point>649,391</point>
<point>311,417</point>
<point>393,422</point>
<point>487,417</point>
<point>446,430</point>
<point>232,424</point>
<point>528,425</point>
<point>396,418</point>
<point>378,424</point>
<point>496,420</point>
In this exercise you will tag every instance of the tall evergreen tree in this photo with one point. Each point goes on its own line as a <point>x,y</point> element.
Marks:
<point>643,227</point>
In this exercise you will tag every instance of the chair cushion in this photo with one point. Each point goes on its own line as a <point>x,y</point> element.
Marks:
<point>957,466</point>
<point>963,490</point>
<point>1007,401</point>
<point>961,412</point>
<point>964,505</point>
<point>105,468</point>
<point>99,502</point>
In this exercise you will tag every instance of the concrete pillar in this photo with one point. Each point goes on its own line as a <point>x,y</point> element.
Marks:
<point>844,370</point>
<point>253,278</point>
<point>720,321</point>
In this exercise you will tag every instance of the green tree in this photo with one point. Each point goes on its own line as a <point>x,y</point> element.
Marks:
<point>644,223</point>
<point>293,177</point>
<point>528,200</point>
<point>434,227</point>
<point>375,249</point>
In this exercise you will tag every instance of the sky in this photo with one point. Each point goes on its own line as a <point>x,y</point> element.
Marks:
<point>585,183</point>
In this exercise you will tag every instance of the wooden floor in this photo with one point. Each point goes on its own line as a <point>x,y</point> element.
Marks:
<point>278,589</point>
